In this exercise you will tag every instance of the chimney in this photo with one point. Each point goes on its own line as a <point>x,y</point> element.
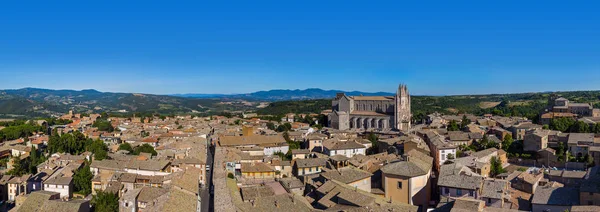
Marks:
<point>276,205</point>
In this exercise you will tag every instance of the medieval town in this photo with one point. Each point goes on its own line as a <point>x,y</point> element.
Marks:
<point>365,153</point>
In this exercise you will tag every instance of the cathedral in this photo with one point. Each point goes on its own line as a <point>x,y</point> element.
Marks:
<point>371,112</point>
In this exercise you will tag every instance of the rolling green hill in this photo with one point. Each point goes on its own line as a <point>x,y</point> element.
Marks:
<point>523,104</point>
<point>33,102</point>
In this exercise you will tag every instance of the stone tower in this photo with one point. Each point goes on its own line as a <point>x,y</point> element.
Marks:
<point>402,114</point>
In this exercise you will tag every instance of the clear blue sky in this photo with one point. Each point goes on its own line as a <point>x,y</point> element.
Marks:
<point>437,47</point>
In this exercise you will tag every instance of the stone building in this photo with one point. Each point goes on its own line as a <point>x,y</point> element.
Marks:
<point>562,105</point>
<point>372,112</point>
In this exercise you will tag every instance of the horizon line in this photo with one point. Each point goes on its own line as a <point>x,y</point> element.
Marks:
<point>297,89</point>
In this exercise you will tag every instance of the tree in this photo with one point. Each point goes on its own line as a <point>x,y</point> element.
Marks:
<point>99,149</point>
<point>560,151</point>
<point>373,138</point>
<point>453,126</point>
<point>103,125</point>
<point>562,124</point>
<point>82,180</point>
<point>72,143</point>
<point>35,159</point>
<point>318,126</point>
<point>569,157</point>
<point>19,168</point>
<point>589,160</point>
<point>507,142</point>
<point>270,125</point>
<point>287,126</point>
<point>105,202</point>
<point>144,148</point>
<point>546,127</point>
<point>100,155</point>
<point>126,146</point>
<point>484,143</point>
<point>597,128</point>
<point>281,128</point>
<point>465,121</point>
<point>17,130</point>
<point>450,156</point>
<point>286,136</point>
<point>580,127</point>
<point>496,167</point>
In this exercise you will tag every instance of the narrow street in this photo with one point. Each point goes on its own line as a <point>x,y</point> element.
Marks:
<point>206,197</point>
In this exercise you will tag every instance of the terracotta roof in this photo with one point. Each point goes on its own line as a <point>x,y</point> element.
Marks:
<point>149,194</point>
<point>188,180</point>
<point>556,196</point>
<point>180,201</point>
<point>459,176</point>
<point>252,193</point>
<point>310,162</point>
<point>467,205</point>
<point>417,164</point>
<point>336,144</point>
<point>458,136</point>
<point>251,140</point>
<point>150,140</point>
<point>256,167</point>
<point>346,175</point>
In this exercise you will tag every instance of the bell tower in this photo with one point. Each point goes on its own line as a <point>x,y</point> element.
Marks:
<point>402,113</point>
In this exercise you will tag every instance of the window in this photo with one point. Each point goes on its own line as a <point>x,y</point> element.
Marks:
<point>489,201</point>
<point>471,193</point>
<point>310,169</point>
<point>447,190</point>
<point>399,185</point>
<point>458,192</point>
<point>590,202</point>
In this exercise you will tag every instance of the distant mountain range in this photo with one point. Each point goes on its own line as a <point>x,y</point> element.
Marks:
<point>36,102</point>
<point>281,95</point>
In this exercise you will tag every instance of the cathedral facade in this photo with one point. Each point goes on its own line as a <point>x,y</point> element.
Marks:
<point>371,112</point>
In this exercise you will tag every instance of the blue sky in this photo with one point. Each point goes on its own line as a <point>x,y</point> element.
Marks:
<point>436,47</point>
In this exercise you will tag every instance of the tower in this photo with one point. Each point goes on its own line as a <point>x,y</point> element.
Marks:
<point>402,114</point>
